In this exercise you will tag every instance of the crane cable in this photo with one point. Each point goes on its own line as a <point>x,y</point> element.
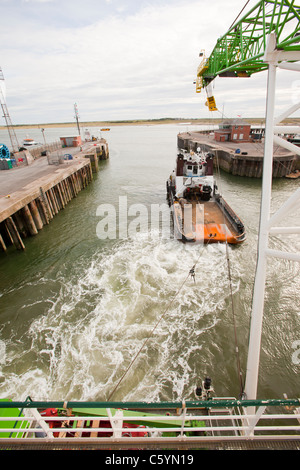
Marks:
<point>240,13</point>
<point>192,274</point>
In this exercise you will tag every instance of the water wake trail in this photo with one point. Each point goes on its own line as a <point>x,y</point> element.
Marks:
<point>79,345</point>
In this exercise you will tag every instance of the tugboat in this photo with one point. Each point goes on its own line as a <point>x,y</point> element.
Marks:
<point>200,214</point>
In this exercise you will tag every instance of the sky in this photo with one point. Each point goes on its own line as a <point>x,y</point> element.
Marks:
<point>122,60</point>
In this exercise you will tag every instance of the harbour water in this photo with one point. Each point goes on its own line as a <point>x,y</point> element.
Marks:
<point>75,309</point>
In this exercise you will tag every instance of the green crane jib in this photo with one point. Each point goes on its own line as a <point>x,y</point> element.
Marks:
<point>239,53</point>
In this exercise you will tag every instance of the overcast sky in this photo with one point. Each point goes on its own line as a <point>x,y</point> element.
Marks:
<point>130,59</point>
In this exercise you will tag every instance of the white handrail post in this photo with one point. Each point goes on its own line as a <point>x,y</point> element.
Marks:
<point>42,423</point>
<point>116,422</point>
<point>272,57</point>
<point>259,285</point>
<point>183,415</point>
<point>254,420</point>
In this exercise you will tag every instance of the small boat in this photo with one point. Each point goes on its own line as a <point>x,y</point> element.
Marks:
<point>29,142</point>
<point>200,214</point>
<point>105,129</point>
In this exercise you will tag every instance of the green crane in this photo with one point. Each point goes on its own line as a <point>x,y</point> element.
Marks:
<point>239,53</point>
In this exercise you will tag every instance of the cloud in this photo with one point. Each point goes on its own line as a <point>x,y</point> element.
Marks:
<point>36,1</point>
<point>133,62</point>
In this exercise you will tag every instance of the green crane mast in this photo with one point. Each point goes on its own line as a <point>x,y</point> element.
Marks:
<point>239,53</point>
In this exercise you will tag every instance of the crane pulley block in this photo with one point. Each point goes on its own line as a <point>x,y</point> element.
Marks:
<point>211,103</point>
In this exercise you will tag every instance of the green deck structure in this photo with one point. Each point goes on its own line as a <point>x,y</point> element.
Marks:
<point>9,413</point>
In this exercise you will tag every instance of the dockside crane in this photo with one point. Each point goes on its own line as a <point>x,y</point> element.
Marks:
<point>266,38</point>
<point>240,52</point>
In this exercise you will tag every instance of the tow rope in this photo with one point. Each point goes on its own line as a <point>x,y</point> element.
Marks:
<point>192,274</point>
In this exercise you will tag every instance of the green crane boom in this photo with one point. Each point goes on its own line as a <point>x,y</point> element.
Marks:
<point>239,53</point>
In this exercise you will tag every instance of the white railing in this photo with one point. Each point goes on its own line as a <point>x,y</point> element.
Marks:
<point>186,425</point>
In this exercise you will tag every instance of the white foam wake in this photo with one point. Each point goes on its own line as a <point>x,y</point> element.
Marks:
<point>84,340</point>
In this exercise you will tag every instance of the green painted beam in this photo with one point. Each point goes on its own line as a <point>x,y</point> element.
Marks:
<point>242,48</point>
<point>7,411</point>
<point>213,403</point>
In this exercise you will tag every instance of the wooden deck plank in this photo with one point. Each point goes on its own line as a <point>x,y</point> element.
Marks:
<point>96,424</point>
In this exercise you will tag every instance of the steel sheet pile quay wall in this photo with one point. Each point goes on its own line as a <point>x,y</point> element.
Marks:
<point>248,162</point>
<point>25,210</point>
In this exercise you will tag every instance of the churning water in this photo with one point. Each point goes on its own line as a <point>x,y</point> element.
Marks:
<point>75,310</point>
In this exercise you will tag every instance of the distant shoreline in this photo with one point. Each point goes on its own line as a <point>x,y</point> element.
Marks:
<point>107,124</point>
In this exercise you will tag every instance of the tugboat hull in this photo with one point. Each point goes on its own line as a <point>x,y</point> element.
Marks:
<point>200,214</point>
